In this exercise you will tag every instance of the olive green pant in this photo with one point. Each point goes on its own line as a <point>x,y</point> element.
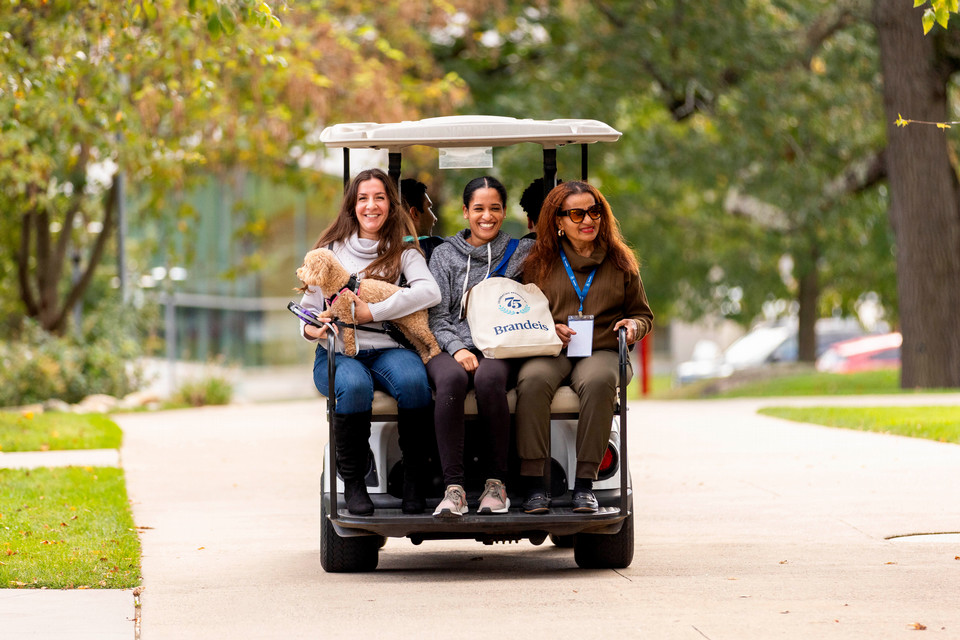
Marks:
<point>595,381</point>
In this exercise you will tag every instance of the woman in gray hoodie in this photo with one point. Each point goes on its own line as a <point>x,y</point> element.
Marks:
<point>457,265</point>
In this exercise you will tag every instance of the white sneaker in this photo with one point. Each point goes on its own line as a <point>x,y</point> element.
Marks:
<point>454,503</point>
<point>494,498</point>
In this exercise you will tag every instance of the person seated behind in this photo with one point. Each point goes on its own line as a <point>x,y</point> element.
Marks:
<point>462,262</point>
<point>531,202</point>
<point>590,276</point>
<point>367,237</point>
<point>418,203</point>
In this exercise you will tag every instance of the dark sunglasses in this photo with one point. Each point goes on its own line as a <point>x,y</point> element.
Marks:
<point>576,215</point>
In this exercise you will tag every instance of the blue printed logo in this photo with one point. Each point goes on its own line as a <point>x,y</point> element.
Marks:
<point>512,304</point>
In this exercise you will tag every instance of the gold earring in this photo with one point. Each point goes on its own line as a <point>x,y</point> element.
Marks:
<point>559,232</point>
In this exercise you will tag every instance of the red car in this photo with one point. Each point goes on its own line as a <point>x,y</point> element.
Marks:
<point>868,353</point>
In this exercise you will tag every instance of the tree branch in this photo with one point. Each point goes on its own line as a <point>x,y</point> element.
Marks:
<point>23,264</point>
<point>823,29</point>
<point>859,176</point>
<point>96,253</point>
<point>763,213</point>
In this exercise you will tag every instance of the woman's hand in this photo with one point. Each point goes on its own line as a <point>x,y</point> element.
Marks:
<point>467,360</point>
<point>565,332</point>
<point>361,311</point>
<point>319,333</point>
<point>631,328</point>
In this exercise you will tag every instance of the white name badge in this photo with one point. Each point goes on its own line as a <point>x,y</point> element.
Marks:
<point>581,343</point>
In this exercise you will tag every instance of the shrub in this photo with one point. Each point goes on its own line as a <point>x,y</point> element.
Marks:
<point>36,366</point>
<point>197,393</point>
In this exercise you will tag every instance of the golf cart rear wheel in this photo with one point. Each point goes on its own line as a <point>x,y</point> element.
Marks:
<point>599,551</point>
<point>346,555</point>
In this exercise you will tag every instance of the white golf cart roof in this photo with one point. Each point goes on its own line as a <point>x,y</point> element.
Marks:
<point>467,131</point>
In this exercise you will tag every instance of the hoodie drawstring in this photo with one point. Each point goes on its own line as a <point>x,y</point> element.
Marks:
<point>463,292</point>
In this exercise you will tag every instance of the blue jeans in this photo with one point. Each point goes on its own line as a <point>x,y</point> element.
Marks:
<point>399,372</point>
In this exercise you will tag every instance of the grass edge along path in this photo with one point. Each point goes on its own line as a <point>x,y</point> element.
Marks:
<point>67,528</point>
<point>940,423</point>
<point>52,431</point>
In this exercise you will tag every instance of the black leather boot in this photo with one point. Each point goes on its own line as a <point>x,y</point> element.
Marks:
<point>352,433</point>
<point>413,425</point>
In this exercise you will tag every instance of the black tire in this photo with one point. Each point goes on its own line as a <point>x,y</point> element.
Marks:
<point>599,551</point>
<point>346,555</point>
<point>563,542</point>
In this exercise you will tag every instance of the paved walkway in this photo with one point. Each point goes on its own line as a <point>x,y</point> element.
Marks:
<point>747,527</point>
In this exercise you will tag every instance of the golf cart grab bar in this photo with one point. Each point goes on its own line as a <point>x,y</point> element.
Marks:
<point>624,360</point>
<point>331,409</point>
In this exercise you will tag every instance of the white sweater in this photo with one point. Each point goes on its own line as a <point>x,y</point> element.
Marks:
<point>421,291</point>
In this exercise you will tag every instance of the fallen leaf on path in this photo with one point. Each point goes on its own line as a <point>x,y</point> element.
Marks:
<point>916,626</point>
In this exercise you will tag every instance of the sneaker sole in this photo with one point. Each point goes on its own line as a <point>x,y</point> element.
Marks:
<point>448,514</point>
<point>488,510</point>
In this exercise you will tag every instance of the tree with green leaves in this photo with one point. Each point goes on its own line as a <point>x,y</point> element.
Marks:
<point>739,154</point>
<point>166,90</point>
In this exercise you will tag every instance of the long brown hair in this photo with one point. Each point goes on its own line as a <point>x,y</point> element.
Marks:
<point>546,251</point>
<point>397,226</point>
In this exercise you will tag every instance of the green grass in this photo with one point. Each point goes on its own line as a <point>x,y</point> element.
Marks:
<point>934,423</point>
<point>67,528</point>
<point>788,382</point>
<point>817,384</point>
<point>50,431</point>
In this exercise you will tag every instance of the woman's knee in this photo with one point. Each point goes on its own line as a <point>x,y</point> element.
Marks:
<point>492,378</point>
<point>447,376</point>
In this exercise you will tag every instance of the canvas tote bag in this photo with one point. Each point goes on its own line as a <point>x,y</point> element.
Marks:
<point>510,320</point>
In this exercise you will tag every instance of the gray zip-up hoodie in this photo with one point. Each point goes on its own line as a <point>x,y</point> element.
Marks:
<point>448,264</point>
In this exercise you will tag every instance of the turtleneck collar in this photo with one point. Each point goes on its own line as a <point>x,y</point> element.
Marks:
<point>363,246</point>
<point>579,262</point>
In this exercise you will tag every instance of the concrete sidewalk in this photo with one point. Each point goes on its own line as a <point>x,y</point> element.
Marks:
<point>747,527</point>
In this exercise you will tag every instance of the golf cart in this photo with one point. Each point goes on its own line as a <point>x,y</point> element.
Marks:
<point>600,540</point>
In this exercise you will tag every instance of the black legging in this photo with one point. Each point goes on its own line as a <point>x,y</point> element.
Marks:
<point>451,383</point>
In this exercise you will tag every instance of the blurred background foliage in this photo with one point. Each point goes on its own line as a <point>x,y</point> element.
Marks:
<point>749,177</point>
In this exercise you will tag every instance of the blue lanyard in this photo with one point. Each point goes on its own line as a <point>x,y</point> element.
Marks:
<point>582,294</point>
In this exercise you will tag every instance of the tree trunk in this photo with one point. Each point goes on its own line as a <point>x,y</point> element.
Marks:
<point>924,198</point>
<point>808,296</point>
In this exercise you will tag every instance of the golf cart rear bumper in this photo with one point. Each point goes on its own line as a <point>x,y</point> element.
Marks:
<point>388,520</point>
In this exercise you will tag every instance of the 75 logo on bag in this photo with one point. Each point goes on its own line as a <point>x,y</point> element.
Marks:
<point>512,304</point>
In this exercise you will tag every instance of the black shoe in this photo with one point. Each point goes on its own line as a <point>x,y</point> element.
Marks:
<point>357,499</point>
<point>413,501</point>
<point>536,502</point>
<point>584,501</point>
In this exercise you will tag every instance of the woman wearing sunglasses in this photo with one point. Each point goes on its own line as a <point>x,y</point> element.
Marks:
<point>590,276</point>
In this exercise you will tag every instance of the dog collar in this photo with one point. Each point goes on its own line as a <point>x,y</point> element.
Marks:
<point>352,285</point>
